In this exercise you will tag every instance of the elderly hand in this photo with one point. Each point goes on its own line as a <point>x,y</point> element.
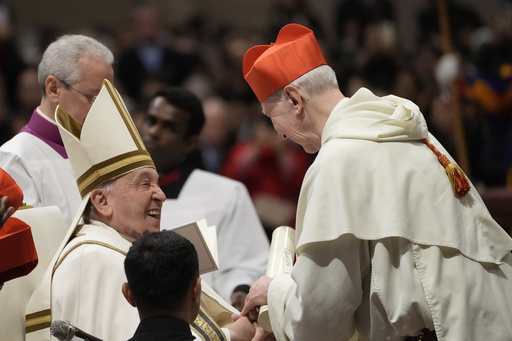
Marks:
<point>245,332</point>
<point>263,335</point>
<point>5,212</point>
<point>257,296</point>
<point>242,328</point>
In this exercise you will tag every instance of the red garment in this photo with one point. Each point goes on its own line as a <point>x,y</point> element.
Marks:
<point>261,171</point>
<point>18,256</point>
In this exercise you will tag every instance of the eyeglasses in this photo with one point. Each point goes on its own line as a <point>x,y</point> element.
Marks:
<point>89,98</point>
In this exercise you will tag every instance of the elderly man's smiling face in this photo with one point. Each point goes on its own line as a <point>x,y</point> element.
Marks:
<point>135,202</point>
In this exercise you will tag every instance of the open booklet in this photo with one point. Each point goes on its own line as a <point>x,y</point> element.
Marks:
<point>204,238</point>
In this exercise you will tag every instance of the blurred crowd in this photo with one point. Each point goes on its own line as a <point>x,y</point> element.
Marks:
<point>465,69</point>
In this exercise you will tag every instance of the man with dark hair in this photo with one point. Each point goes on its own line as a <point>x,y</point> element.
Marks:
<point>162,270</point>
<point>170,130</point>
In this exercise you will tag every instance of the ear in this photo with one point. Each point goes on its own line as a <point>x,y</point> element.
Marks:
<point>294,96</point>
<point>196,291</point>
<point>53,87</point>
<point>100,202</point>
<point>191,143</point>
<point>127,293</point>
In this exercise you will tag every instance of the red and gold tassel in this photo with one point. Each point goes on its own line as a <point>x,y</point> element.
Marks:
<point>460,184</point>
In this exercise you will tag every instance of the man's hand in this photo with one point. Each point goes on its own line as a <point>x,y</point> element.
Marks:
<point>5,212</point>
<point>257,296</point>
<point>258,334</point>
<point>242,328</point>
<point>262,334</point>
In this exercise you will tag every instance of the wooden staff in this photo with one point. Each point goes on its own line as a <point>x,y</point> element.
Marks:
<point>458,126</point>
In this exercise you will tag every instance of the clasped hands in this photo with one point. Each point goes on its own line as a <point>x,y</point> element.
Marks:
<point>245,325</point>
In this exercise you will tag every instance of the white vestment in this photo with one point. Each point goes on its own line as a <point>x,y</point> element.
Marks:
<point>89,294</point>
<point>44,176</point>
<point>241,240</point>
<point>383,245</point>
<point>48,231</point>
<point>86,291</point>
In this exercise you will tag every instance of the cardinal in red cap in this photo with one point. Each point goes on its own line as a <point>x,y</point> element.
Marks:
<point>18,256</point>
<point>270,67</point>
<point>382,233</point>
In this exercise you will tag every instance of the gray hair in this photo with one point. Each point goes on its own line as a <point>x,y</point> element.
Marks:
<point>313,82</point>
<point>61,57</point>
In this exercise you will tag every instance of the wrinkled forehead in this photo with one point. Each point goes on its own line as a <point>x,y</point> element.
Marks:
<point>131,178</point>
<point>139,173</point>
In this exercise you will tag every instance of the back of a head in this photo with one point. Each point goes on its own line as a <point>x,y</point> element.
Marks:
<point>160,268</point>
<point>61,57</point>
<point>185,100</point>
<point>316,81</point>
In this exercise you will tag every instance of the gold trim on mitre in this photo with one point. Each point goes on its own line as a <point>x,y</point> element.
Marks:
<point>111,169</point>
<point>106,145</point>
<point>118,101</point>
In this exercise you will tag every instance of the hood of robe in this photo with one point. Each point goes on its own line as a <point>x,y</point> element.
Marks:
<point>383,180</point>
<point>369,117</point>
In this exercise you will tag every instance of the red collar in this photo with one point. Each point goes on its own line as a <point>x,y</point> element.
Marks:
<point>169,178</point>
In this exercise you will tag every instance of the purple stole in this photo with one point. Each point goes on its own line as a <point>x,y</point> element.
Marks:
<point>46,131</point>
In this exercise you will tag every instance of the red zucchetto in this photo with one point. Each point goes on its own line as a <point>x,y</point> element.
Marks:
<point>268,68</point>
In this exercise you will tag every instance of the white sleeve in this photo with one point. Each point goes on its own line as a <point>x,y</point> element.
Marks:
<point>227,334</point>
<point>16,167</point>
<point>243,246</point>
<point>320,296</point>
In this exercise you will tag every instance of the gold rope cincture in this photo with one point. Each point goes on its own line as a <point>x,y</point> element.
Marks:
<point>460,184</point>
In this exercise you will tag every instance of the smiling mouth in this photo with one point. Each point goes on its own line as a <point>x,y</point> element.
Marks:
<point>153,213</point>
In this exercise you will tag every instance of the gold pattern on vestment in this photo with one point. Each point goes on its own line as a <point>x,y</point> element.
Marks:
<point>206,328</point>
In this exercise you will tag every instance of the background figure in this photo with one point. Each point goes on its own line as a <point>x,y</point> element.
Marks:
<point>272,170</point>
<point>170,131</point>
<point>5,124</point>
<point>488,99</point>
<point>385,220</point>
<point>462,20</point>
<point>354,23</point>
<point>11,61</point>
<point>162,270</point>
<point>70,74</point>
<point>297,11</point>
<point>27,97</point>
<point>151,56</point>
<point>217,135</point>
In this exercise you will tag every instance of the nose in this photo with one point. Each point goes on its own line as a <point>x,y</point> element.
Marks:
<point>153,130</point>
<point>159,194</point>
